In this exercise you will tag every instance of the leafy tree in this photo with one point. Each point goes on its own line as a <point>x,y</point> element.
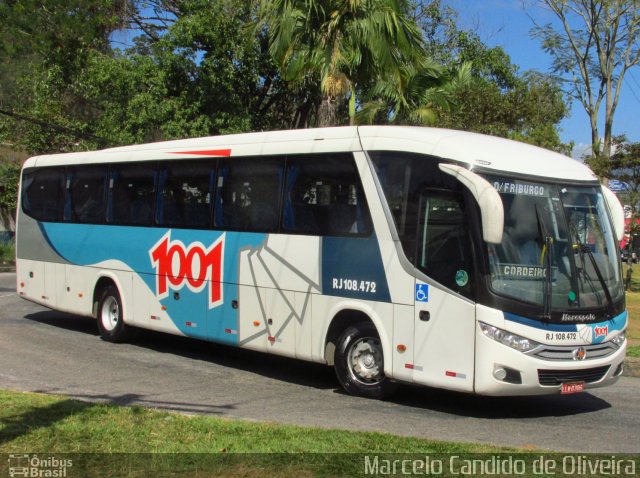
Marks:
<point>595,46</point>
<point>10,165</point>
<point>43,47</point>
<point>341,45</point>
<point>529,111</point>
<point>486,93</point>
<point>625,167</point>
<point>413,95</point>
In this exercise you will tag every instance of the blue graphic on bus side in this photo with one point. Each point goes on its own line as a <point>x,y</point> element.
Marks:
<point>86,245</point>
<point>422,293</point>
<point>202,268</point>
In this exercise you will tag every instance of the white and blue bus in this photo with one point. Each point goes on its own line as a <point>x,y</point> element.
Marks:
<point>394,254</point>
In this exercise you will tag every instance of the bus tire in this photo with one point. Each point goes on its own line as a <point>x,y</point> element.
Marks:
<point>110,324</point>
<point>359,362</point>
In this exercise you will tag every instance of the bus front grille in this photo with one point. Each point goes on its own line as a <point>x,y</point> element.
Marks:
<point>557,377</point>
<point>550,352</point>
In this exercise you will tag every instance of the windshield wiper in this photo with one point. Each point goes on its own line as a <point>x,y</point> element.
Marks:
<point>584,249</point>
<point>548,241</point>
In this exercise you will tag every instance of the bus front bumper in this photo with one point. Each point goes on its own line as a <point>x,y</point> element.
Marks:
<point>503,371</point>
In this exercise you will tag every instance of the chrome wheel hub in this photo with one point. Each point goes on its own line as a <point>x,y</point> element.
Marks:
<point>110,313</point>
<point>365,360</point>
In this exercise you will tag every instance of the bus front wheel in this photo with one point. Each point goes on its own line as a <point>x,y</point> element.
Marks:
<point>110,324</point>
<point>359,362</point>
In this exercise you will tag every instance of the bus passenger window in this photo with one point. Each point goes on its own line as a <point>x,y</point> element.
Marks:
<point>86,199</point>
<point>324,197</point>
<point>248,194</point>
<point>185,194</point>
<point>132,194</point>
<point>43,192</point>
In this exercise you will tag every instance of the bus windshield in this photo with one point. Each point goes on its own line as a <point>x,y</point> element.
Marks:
<point>558,249</point>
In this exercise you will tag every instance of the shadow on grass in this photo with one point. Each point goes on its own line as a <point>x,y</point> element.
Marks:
<point>140,400</point>
<point>39,417</point>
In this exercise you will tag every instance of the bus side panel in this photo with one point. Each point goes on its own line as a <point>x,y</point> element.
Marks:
<point>303,325</point>
<point>444,339</point>
<point>252,326</point>
<point>403,342</point>
<point>275,315</point>
<point>281,320</point>
<point>79,291</point>
<point>30,277</point>
<point>35,262</point>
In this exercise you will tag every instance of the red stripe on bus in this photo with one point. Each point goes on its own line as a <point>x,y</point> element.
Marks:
<point>206,152</point>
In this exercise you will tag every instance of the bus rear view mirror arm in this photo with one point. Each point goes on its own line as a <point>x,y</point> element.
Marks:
<point>488,199</point>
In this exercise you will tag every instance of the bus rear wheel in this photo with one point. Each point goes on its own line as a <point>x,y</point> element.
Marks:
<point>110,324</point>
<point>359,363</point>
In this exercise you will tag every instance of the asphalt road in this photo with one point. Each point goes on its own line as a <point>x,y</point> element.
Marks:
<point>51,352</point>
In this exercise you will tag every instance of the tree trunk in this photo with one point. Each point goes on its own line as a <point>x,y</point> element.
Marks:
<point>327,113</point>
<point>595,140</point>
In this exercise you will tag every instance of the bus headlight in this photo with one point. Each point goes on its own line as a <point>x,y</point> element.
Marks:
<point>509,339</point>
<point>619,339</point>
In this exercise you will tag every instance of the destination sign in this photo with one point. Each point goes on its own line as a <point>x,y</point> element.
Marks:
<point>524,272</point>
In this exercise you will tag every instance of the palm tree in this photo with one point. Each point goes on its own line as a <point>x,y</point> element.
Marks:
<point>413,95</point>
<point>343,44</point>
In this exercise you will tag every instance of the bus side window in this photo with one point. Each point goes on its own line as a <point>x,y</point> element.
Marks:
<point>43,192</point>
<point>131,195</point>
<point>248,194</point>
<point>184,198</point>
<point>324,197</point>
<point>86,200</point>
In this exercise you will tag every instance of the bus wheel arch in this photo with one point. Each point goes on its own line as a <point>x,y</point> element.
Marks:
<point>354,348</point>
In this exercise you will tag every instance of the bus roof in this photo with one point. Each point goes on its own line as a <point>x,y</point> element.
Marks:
<point>476,150</point>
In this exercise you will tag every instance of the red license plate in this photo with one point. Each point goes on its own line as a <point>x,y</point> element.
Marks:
<point>573,387</point>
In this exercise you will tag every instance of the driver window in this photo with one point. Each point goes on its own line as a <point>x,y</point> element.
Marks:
<point>443,248</point>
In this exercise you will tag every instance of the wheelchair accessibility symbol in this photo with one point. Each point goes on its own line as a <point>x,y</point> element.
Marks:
<point>422,293</point>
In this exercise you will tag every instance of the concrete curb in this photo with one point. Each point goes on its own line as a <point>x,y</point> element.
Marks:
<point>631,367</point>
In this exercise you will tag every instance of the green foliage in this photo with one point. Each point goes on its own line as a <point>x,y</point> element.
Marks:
<point>7,253</point>
<point>44,46</point>
<point>10,166</point>
<point>342,45</point>
<point>200,68</point>
<point>42,423</point>
<point>137,102</point>
<point>526,108</point>
<point>624,166</point>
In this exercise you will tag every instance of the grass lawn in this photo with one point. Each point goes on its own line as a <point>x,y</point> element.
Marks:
<point>633,307</point>
<point>44,424</point>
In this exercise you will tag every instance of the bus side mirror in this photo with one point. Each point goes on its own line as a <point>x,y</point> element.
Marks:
<point>617,212</point>
<point>490,202</point>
